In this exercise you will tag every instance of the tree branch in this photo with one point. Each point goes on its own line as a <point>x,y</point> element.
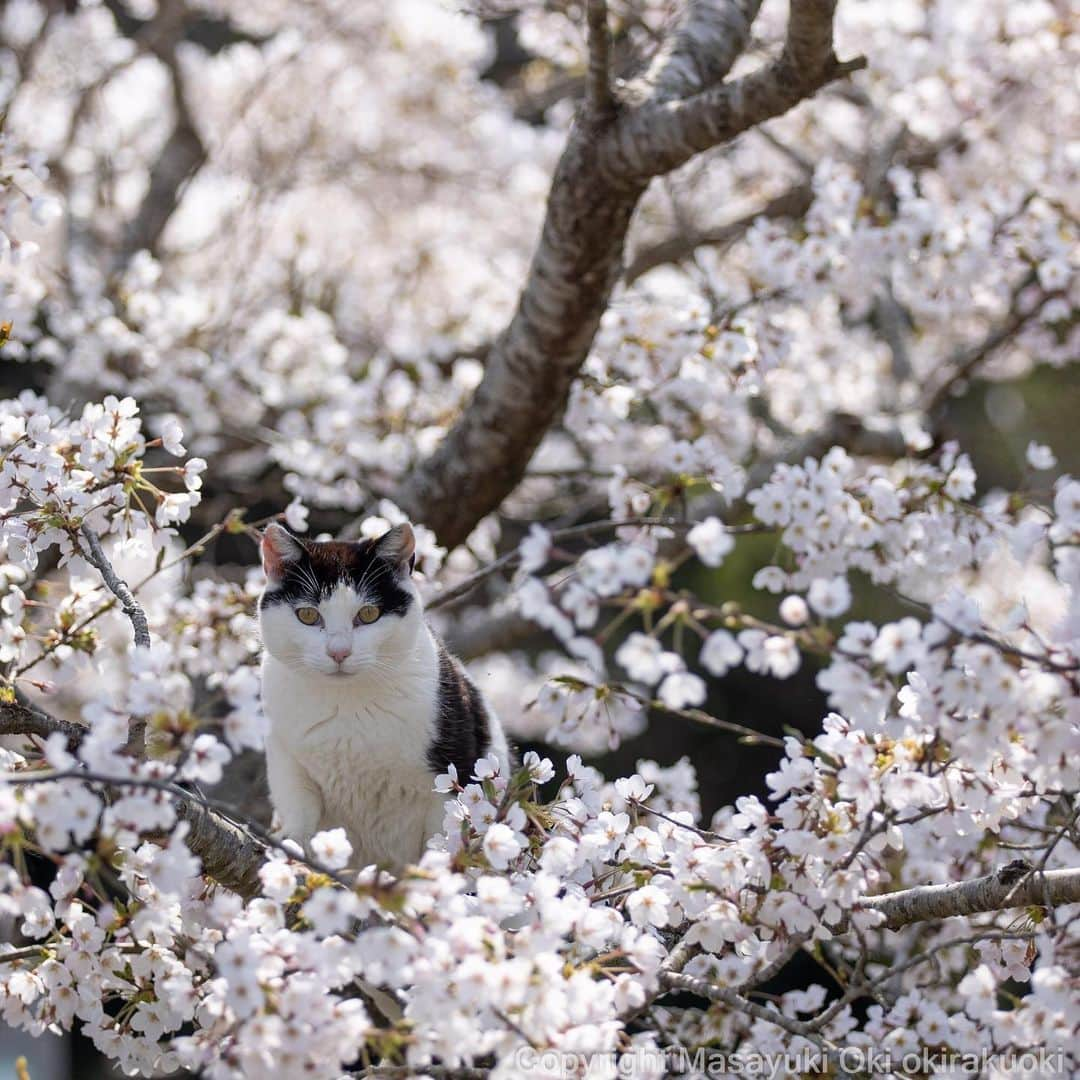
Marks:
<point>183,153</point>
<point>19,718</point>
<point>117,587</point>
<point>571,532</point>
<point>232,856</point>
<point>656,139</point>
<point>791,203</point>
<point>965,362</point>
<point>904,149</point>
<point>698,51</point>
<point>722,995</point>
<point>1016,885</point>
<point>530,370</point>
<point>601,101</point>
<point>228,854</point>
<point>474,636</point>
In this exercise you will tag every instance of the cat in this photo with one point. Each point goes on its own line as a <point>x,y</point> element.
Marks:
<point>365,705</point>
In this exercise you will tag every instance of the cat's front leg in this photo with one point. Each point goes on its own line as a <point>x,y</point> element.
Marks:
<point>294,794</point>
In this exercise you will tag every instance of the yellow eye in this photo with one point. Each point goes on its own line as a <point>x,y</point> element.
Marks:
<point>367,614</point>
<point>309,616</point>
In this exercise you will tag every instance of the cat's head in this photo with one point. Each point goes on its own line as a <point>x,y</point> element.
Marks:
<point>339,609</point>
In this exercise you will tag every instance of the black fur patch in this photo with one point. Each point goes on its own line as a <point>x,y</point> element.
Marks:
<point>462,731</point>
<point>326,564</point>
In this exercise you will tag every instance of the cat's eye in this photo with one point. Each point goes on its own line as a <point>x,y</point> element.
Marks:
<point>309,616</point>
<point>367,614</point>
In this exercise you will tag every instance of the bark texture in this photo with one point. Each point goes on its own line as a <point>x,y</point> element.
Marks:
<point>528,375</point>
<point>118,587</point>
<point>699,50</point>
<point>675,110</point>
<point>1013,886</point>
<point>228,854</point>
<point>19,719</point>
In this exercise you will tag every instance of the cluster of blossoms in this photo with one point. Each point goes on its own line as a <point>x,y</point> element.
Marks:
<point>995,581</point>
<point>554,919</point>
<point>844,287</point>
<point>60,475</point>
<point>543,922</point>
<point>26,207</point>
<point>67,482</point>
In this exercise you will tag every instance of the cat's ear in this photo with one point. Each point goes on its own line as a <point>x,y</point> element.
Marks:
<point>278,548</point>
<point>398,547</point>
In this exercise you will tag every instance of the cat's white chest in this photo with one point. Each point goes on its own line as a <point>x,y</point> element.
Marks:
<point>351,753</point>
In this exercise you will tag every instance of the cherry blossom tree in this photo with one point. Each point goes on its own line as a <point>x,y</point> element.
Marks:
<point>601,296</point>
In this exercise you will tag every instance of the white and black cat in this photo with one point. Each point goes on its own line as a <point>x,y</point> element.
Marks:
<point>365,704</point>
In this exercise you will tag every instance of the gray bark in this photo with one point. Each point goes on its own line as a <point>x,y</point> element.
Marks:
<point>17,718</point>
<point>698,51</point>
<point>119,588</point>
<point>1013,886</point>
<point>601,100</point>
<point>530,370</point>
<point>228,854</point>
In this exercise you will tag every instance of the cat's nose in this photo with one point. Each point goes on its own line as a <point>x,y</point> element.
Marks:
<point>339,653</point>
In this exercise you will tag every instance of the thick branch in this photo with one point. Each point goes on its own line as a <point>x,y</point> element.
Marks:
<point>17,718</point>
<point>228,854</point>
<point>602,174</point>
<point>530,370</point>
<point>698,51</point>
<point>232,857</point>
<point>117,587</point>
<point>656,139</point>
<point>1015,885</point>
<point>809,42</point>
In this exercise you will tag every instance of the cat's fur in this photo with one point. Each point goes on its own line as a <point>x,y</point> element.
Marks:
<point>356,738</point>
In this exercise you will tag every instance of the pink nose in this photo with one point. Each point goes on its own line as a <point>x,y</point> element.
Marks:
<point>340,654</point>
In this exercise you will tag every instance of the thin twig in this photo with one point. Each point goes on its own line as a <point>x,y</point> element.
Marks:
<point>573,532</point>
<point>964,363</point>
<point>22,718</point>
<point>750,737</point>
<point>118,587</point>
<point>723,996</point>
